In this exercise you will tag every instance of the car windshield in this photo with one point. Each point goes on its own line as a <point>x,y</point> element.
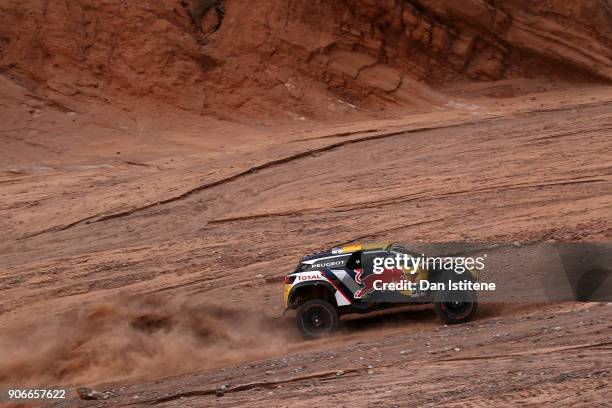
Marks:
<point>403,250</point>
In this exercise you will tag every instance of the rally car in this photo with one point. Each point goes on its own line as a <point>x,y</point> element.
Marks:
<point>328,284</point>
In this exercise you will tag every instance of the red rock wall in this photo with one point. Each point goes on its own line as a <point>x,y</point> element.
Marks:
<point>296,55</point>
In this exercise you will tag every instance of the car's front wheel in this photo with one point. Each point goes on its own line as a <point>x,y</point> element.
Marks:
<point>316,318</point>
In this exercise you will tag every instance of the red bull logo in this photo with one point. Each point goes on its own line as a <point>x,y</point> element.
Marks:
<point>373,280</point>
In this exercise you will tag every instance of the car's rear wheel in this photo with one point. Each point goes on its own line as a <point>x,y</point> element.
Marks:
<point>455,306</point>
<point>316,317</point>
<point>456,312</point>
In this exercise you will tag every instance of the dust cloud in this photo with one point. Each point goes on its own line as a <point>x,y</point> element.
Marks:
<point>146,338</point>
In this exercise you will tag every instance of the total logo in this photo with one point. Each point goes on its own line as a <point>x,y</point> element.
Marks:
<point>309,276</point>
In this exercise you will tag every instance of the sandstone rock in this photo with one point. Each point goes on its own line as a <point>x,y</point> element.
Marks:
<point>560,43</point>
<point>463,45</point>
<point>440,39</point>
<point>380,77</point>
<point>410,17</point>
<point>119,52</point>
<point>89,394</point>
<point>487,64</point>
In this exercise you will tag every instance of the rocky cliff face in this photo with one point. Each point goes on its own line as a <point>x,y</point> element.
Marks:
<point>296,57</point>
<point>493,39</point>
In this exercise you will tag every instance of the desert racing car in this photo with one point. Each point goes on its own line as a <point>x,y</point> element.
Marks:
<point>328,284</point>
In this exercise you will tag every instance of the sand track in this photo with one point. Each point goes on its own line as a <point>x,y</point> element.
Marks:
<point>566,364</point>
<point>197,233</point>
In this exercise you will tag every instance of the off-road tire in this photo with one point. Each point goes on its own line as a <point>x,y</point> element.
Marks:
<point>454,312</point>
<point>316,318</point>
<point>457,312</point>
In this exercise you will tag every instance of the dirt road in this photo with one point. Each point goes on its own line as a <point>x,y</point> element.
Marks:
<point>552,356</point>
